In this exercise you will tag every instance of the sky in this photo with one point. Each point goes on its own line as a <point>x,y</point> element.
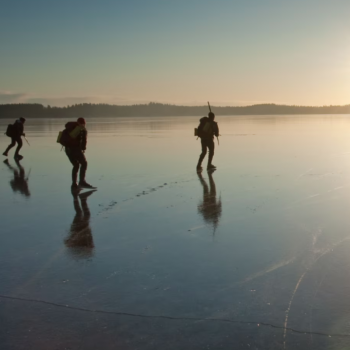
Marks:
<point>187,52</point>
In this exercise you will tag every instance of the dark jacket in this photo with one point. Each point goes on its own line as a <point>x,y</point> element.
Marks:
<point>208,128</point>
<point>18,128</point>
<point>81,140</point>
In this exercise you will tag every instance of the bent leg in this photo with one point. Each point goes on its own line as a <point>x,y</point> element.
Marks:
<point>13,144</point>
<point>75,162</point>
<point>19,145</point>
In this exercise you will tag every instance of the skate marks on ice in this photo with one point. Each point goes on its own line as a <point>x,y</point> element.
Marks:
<point>166,317</point>
<point>107,207</point>
<point>104,208</point>
<point>314,255</point>
<point>318,176</point>
<point>269,269</point>
<point>312,260</point>
<point>110,206</point>
<point>308,260</point>
<point>253,208</point>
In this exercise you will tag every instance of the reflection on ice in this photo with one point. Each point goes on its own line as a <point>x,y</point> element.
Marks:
<point>80,241</point>
<point>210,206</point>
<point>279,272</point>
<point>19,183</point>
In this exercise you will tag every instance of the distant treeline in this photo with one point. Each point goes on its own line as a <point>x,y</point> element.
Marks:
<point>86,110</point>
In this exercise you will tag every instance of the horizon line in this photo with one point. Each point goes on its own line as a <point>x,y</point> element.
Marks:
<point>170,104</point>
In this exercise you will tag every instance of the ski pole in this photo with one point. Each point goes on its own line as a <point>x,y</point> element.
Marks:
<point>26,140</point>
<point>209,107</point>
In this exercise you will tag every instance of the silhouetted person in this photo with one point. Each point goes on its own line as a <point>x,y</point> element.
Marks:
<point>16,137</point>
<point>19,182</point>
<point>80,241</point>
<point>75,150</point>
<point>210,207</point>
<point>206,131</point>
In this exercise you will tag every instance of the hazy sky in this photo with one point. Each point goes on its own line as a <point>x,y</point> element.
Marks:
<point>229,52</point>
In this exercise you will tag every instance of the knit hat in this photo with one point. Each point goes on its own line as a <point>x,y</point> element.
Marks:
<point>211,115</point>
<point>81,121</point>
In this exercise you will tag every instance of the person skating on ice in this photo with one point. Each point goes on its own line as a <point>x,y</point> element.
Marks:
<point>75,148</point>
<point>17,131</point>
<point>207,129</point>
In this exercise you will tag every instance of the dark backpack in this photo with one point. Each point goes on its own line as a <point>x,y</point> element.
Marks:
<point>205,129</point>
<point>65,139</point>
<point>10,130</point>
<point>198,131</point>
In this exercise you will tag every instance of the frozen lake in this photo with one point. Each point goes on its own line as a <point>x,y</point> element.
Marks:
<point>254,256</point>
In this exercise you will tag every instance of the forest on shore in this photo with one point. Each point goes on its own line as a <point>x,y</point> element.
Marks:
<point>152,109</point>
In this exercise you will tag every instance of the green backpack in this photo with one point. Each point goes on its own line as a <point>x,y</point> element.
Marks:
<point>204,129</point>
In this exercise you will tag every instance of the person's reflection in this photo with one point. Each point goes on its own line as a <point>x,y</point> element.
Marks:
<point>210,207</point>
<point>80,241</point>
<point>19,183</point>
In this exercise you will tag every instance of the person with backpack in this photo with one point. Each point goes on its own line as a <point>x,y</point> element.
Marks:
<point>74,138</point>
<point>15,131</point>
<point>206,131</point>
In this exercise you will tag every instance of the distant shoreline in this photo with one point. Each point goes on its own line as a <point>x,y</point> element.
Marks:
<point>158,110</point>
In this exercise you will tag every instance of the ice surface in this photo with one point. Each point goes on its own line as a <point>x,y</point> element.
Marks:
<point>252,256</point>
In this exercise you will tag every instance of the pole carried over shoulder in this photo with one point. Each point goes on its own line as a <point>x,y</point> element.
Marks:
<point>209,106</point>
